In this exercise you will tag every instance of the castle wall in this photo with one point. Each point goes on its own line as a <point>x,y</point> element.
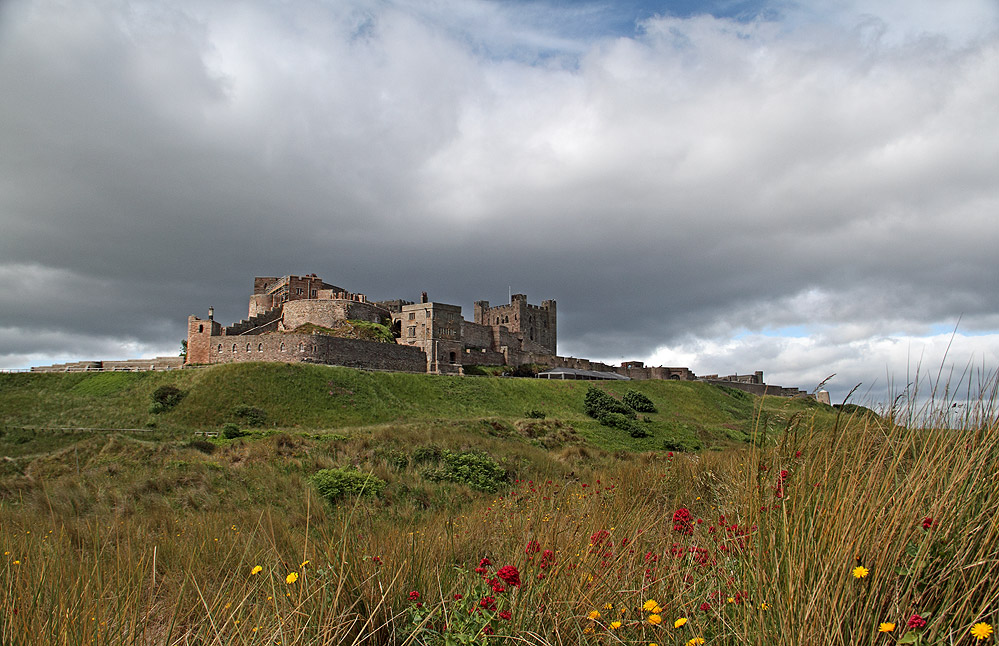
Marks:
<point>329,312</point>
<point>199,339</point>
<point>536,323</point>
<point>318,348</point>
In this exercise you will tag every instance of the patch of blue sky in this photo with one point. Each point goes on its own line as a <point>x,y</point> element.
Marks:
<point>948,328</point>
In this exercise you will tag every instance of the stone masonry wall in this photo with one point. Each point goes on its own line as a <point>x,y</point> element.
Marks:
<point>318,348</point>
<point>329,312</point>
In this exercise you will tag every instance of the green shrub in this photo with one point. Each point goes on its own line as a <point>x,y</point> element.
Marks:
<point>427,453</point>
<point>231,431</point>
<point>476,469</point>
<point>639,402</point>
<point>334,484</point>
<point>165,398</point>
<point>597,403</point>
<point>251,415</point>
<point>682,444</point>
<point>534,414</point>
<point>624,423</point>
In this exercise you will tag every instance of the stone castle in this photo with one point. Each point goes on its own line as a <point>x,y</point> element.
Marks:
<point>285,312</point>
<point>290,319</point>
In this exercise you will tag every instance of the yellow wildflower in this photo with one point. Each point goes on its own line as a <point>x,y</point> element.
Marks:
<point>655,620</point>
<point>594,614</point>
<point>695,641</point>
<point>886,627</point>
<point>981,631</point>
<point>304,563</point>
<point>679,622</point>
<point>291,578</point>
<point>860,572</point>
<point>588,630</point>
<point>764,606</point>
<point>650,606</point>
<point>615,625</point>
<point>608,606</point>
<point>256,569</point>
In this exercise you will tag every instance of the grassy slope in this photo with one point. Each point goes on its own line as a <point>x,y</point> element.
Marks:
<point>330,398</point>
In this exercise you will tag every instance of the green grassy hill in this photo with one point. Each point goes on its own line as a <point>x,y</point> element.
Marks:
<point>301,396</point>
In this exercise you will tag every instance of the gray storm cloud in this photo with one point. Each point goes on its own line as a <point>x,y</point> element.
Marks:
<point>686,188</point>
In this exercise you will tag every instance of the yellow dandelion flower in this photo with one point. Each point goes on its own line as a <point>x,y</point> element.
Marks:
<point>860,572</point>
<point>594,614</point>
<point>655,620</point>
<point>695,641</point>
<point>764,606</point>
<point>650,606</point>
<point>615,625</point>
<point>291,578</point>
<point>886,627</point>
<point>256,569</point>
<point>588,630</point>
<point>981,631</point>
<point>679,622</point>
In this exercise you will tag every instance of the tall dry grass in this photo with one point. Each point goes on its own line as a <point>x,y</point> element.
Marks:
<point>767,556</point>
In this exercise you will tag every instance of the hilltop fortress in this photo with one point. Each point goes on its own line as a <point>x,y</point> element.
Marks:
<point>305,319</point>
<point>290,318</point>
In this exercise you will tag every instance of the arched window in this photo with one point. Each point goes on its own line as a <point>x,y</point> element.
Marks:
<point>233,347</point>
<point>301,347</point>
<point>220,347</point>
<point>282,346</point>
<point>247,347</point>
<point>260,347</point>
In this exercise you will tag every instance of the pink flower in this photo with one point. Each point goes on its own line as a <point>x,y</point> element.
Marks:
<point>510,575</point>
<point>915,621</point>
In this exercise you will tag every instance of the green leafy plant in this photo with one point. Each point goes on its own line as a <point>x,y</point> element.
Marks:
<point>231,431</point>
<point>335,484</point>
<point>639,402</point>
<point>165,398</point>
<point>597,403</point>
<point>476,469</point>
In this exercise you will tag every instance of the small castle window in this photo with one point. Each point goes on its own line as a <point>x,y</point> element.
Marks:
<point>220,347</point>
<point>453,358</point>
<point>247,347</point>
<point>411,330</point>
<point>298,290</point>
<point>260,347</point>
<point>233,347</point>
<point>201,328</point>
<point>301,347</point>
<point>282,346</point>
<point>412,316</point>
<point>314,292</point>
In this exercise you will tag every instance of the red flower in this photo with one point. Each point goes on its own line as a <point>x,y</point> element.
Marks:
<point>509,574</point>
<point>487,630</point>
<point>489,603</point>
<point>457,596</point>
<point>705,606</point>
<point>597,537</point>
<point>414,596</point>
<point>915,621</point>
<point>928,523</point>
<point>506,615</point>
<point>532,547</point>
<point>485,562</point>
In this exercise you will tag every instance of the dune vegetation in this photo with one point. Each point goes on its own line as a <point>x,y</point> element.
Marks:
<point>293,504</point>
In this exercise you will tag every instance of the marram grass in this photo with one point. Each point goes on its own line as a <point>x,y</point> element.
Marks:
<point>878,533</point>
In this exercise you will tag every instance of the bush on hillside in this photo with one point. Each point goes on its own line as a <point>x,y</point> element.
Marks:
<point>624,423</point>
<point>335,484</point>
<point>534,414</point>
<point>251,415</point>
<point>639,402</point>
<point>476,469</point>
<point>165,398</point>
<point>231,431</point>
<point>597,403</point>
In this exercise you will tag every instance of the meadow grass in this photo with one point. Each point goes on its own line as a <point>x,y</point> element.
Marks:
<point>126,539</point>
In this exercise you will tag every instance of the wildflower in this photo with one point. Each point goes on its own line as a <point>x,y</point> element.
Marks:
<point>304,563</point>
<point>981,631</point>
<point>695,641</point>
<point>886,627</point>
<point>705,606</point>
<point>458,596</point>
<point>510,575</point>
<point>615,625</point>
<point>532,547</point>
<point>594,615</point>
<point>655,620</point>
<point>915,621</point>
<point>588,630</point>
<point>291,578</point>
<point>414,596</point>
<point>256,569</point>
<point>860,572</point>
<point>608,606</point>
<point>764,606</point>
<point>679,622</point>
<point>506,615</point>
<point>651,606</point>
<point>489,603</point>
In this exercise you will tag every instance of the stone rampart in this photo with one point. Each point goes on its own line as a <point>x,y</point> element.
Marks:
<point>328,313</point>
<point>319,348</point>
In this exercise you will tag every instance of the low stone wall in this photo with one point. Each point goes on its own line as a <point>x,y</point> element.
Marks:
<point>760,389</point>
<point>130,365</point>
<point>318,348</point>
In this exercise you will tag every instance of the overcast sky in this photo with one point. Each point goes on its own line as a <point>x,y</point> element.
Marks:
<point>799,188</point>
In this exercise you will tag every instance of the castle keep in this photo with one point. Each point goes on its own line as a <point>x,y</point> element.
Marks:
<point>289,319</point>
